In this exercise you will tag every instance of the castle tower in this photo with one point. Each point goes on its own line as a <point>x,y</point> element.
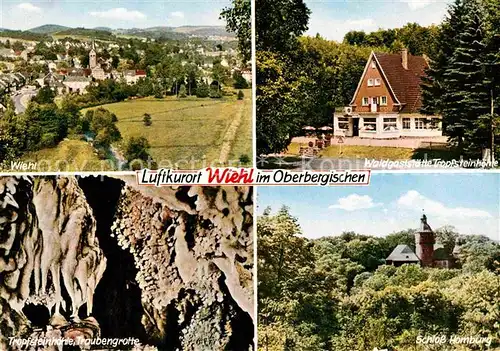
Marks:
<point>93,56</point>
<point>424,243</point>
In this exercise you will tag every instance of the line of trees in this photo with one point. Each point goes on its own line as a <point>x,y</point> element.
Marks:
<point>417,39</point>
<point>42,125</point>
<point>463,83</point>
<point>336,293</point>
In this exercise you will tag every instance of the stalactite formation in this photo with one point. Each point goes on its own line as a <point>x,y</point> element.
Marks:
<point>193,250</point>
<point>47,232</point>
<point>192,284</point>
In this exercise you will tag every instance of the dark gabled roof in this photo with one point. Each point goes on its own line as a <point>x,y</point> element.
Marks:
<point>440,253</point>
<point>402,253</point>
<point>405,83</point>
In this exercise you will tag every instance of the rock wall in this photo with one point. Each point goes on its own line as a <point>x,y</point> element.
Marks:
<point>193,249</point>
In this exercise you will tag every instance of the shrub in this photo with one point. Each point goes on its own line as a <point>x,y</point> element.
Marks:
<point>202,91</point>
<point>239,81</point>
<point>240,95</point>
<point>158,92</point>
<point>215,94</point>
<point>48,140</point>
<point>244,159</point>
<point>137,148</point>
<point>147,119</point>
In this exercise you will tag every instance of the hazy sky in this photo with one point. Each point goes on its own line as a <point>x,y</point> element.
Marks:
<point>22,14</point>
<point>332,19</point>
<point>393,202</point>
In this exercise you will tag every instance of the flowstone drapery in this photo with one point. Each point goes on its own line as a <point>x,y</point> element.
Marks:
<point>193,250</point>
<point>191,247</point>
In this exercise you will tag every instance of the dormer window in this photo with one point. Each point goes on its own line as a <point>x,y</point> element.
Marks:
<point>370,82</point>
<point>377,82</point>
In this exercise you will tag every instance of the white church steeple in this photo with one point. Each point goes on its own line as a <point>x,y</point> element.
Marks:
<point>93,56</point>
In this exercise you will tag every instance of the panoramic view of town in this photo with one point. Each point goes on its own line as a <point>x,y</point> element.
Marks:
<point>91,97</point>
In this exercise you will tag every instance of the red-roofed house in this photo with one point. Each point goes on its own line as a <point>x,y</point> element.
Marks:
<point>387,101</point>
<point>133,76</point>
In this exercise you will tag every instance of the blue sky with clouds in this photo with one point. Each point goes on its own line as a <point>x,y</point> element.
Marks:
<point>25,14</point>
<point>333,18</point>
<point>393,202</point>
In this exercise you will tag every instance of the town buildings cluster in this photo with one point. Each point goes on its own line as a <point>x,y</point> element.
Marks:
<point>68,74</point>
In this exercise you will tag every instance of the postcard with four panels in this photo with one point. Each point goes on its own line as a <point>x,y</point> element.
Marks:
<point>249,175</point>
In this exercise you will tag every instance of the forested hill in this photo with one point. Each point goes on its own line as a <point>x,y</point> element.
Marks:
<point>48,28</point>
<point>163,32</point>
<point>336,293</point>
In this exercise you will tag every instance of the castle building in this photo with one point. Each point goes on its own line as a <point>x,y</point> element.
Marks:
<point>428,253</point>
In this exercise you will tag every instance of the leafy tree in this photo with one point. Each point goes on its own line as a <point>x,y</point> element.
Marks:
<point>45,126</point>
<point>278,24</point>
<point>115,61</point>
<point>215,92</point>
<point>355,37</point>
<point>12,135</point>
<point>447,236</point>
<point>137,149</point>
<point>71,109</point>
<point>44,96</point>
<point>281,251</point>
<point>158,92</point>
<point>477,253</point>
<point>238,20</point>
<point>192,75</point>
<point>220,74</point>
<point>238,81</point>
<point>182,91</point>
<point>417,39</point>
<point>102,126</point>
<point>279,107</point>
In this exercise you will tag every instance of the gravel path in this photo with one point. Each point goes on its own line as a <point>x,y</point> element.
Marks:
<point>231,135</point>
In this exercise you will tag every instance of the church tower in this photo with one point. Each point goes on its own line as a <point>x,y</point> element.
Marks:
<point>93,56</point>
<point>424,243</point>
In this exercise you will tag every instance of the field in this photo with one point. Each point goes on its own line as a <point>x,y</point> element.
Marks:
<point>189,132</point>
<point>68,156</point>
